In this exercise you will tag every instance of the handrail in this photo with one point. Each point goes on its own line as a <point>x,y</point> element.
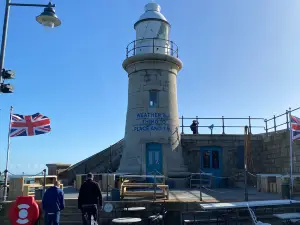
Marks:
<point>221,123</point>
<point>274,119</point>
<point>170,47</point>
<point>252,122</point>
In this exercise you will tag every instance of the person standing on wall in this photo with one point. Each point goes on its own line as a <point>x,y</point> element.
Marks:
<point>53,203</point>
<point>89,199</point>
<point>194,126</point>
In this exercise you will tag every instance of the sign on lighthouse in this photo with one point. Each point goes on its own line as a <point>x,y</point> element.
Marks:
<point>152,138</point>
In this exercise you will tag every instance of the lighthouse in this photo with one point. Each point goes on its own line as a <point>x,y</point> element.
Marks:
<point>152,138</point>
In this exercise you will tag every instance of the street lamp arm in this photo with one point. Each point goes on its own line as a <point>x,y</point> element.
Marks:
<point>32,5</point>
<point>47,18</point>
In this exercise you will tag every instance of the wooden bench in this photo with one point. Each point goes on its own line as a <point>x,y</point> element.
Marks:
<point>125,186</point>
<point>29,187</point>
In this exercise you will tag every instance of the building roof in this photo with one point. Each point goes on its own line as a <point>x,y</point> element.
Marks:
<point>58,164</point>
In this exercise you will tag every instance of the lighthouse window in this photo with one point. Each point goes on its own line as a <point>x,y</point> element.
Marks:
<point>153,99</point>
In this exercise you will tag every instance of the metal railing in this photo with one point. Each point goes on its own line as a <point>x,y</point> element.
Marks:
<point>222,124</point>
<point>249,121</point>
<point>279,121</point>
<point>152,45</point>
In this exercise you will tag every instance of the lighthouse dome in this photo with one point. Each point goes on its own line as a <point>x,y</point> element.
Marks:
<point>152,31</point>
<point>152,11</point>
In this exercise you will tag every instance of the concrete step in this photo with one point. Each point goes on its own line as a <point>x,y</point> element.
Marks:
<point>67,218</point>
<point>70,216</point>
<point>70,222</point>
<point>178,174</point>
<point>239,184</point>
<point>71,219</point>
<point>75,213</point>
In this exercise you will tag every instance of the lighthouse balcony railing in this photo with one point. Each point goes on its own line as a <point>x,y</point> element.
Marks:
<point>152,45</point>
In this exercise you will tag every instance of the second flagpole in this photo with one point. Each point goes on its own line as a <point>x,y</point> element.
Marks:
<point>291,155</point>
<point>7,157</point>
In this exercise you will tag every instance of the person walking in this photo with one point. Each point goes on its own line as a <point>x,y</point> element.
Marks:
<point>53,203</point>
<point>89,199</point>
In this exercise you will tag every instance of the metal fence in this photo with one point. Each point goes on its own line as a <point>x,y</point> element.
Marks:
<point>152,45</point>
<point>231,125</point>
<point>281,121</point>
<point>221,125</point>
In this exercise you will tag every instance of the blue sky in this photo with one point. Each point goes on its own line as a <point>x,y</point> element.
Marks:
<point>240,58</point>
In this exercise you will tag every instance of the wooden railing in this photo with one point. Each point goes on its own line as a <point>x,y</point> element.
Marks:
<point>29,189</point>
<point>20,186</point>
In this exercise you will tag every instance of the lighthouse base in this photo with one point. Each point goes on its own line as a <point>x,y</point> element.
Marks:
<point>153,159</point>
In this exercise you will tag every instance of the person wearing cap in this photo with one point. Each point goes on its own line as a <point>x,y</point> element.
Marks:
<point>53,203</point>
<point>89,199</point>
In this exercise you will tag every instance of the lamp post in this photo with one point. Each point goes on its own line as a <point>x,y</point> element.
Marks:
<point>47,18</point>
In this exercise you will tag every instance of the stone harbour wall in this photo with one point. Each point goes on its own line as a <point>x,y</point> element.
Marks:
<point>230,145</point>
<point>275,155</point>
<point>268,154</point>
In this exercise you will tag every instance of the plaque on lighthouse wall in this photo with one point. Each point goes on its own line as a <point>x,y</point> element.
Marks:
<point>149,122</point>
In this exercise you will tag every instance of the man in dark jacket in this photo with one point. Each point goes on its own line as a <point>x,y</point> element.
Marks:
<point>89,199</point>
<point>194,127</point>
<point>53,202</point>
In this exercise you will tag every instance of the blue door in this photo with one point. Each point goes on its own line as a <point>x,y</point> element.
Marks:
<point>211,162</point>
<point>154,162</point>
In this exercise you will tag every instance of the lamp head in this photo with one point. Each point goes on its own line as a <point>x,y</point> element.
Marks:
<point>6,88</point>
<point>48,18</point>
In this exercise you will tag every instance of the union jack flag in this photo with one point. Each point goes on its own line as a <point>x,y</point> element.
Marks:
<point>295,122</point>
<point>35,124</point>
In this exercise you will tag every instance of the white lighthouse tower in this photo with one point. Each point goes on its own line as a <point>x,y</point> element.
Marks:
<point>152,138</point>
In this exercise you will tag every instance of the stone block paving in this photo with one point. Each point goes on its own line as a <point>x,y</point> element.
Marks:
<point>208,195</point>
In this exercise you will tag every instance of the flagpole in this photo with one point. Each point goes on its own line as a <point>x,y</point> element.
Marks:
<point>7,157</point>
<point>291,155</point>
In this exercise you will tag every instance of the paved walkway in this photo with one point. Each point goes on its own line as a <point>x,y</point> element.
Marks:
<point>208,195</point>
<point>216,195</point>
